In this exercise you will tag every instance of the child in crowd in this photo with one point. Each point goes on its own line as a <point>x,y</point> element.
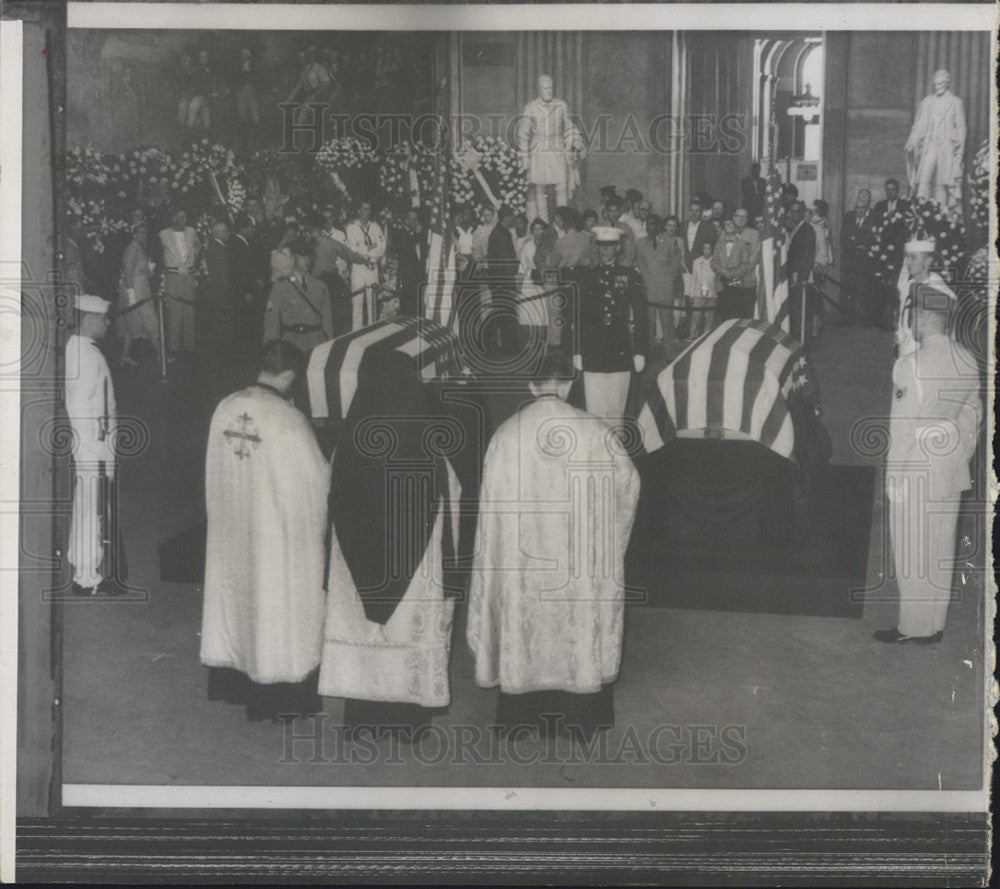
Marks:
<point>703,292</point>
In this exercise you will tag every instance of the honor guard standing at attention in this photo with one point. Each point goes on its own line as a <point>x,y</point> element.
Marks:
<point>936,411</point>
<point>613,329</point>
<point>299,309</point>
<point>90,404</point>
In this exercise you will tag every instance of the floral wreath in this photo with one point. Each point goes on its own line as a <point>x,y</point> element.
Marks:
<point>92,218</point>
<point>979,188</point>
<point>338,157</point>
<point>926,220</point>
<point>486,172</point>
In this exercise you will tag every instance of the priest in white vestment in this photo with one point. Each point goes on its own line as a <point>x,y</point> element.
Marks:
<point>265,485</point>
<point>393,518</point>
<point>546,602</point>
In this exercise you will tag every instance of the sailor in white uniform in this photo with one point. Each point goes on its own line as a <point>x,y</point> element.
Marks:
<point>90,405</point>
<point>936,412</point>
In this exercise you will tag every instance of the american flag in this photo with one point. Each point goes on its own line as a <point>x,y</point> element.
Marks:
<point>337,366</point>
<point>732,383</point>
<point>772,287</point>
<point>441,272</point>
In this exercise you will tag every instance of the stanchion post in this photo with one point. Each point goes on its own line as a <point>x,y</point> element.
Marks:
<point>163,338</point>
<point>802,313</point>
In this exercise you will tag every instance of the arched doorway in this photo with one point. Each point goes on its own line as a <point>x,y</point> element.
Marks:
<point>788,108</point>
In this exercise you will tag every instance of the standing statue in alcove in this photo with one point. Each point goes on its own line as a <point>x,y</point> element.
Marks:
<point>936,146</point>
<point>547,140</point>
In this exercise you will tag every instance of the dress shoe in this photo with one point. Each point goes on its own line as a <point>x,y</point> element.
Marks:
<point>894,637</point>
<point>84,591</point>
<point>108,588</point>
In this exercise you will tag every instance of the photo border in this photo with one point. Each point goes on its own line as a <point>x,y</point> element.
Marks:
<point>571,845</point>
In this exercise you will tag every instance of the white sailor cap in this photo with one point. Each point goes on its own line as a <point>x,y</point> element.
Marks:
<point>920,246</point>
<point>606,234</point>
<point>93,304</point>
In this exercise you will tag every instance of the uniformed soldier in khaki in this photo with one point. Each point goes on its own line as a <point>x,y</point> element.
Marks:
<point>936,411</point>
<point>299,308</point>
<point>90,405</point>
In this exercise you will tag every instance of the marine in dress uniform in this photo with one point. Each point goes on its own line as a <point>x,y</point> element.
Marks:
<point>936,411</point>
<point>94,547</point>
<point>299,308</point>
<point>613,332</point>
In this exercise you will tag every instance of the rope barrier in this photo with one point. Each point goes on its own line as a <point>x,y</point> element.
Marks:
<point>667,307</point>
<point>130,308</point>
<point>838,306</point>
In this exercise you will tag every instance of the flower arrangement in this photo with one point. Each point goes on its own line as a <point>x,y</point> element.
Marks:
<point>135,176</point>
<point>923,219</point>
<point>194,166</point>
<point>394,173</point>
<point>92,218</point>
<point>269,163</point>
<point>886,248</point>
<point>979,188</point>
<point>978,269</point>
<point>486,172</point>
<point>350,164</point>
<point>86,169</point>
<point>928,219</point>
<point>236,194</point>
<point>345,154</point>
<point>399,167</point>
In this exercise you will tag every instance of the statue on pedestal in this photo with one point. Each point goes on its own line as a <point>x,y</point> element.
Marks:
<point>936,147</point>
<point>547,141</point>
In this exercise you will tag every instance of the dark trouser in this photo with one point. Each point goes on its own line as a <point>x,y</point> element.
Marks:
<point>409,295</point>
<point>859,287</point>
<point>555,712</point>
<point>884,303</point>
<point>265,702</point>
<point>498,320</point>
<point>735,302</point>
<point>340,297</point>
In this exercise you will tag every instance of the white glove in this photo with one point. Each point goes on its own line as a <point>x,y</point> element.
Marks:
<point>578,362</point>
<point>130,293</point>
<point>639,363</point>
